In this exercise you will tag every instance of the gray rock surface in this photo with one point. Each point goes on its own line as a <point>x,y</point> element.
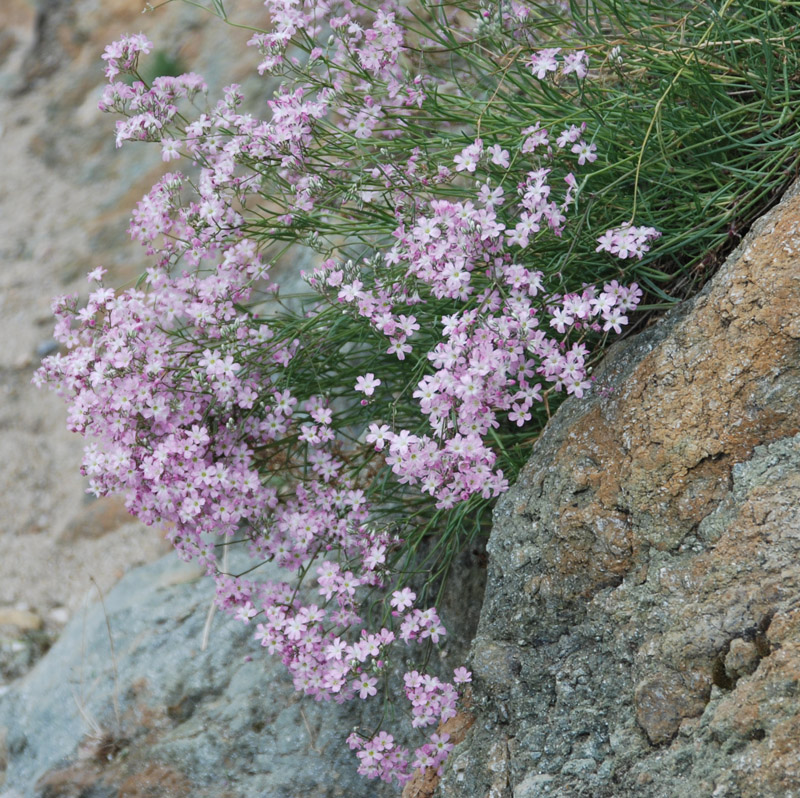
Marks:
<point>158,713</point>
<point>640,634</point>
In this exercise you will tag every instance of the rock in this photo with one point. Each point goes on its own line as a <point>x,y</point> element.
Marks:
<point>46,348</point>
<point>19,650</point>
<point>663,701</point>
<point>22,642</point>
<point>98,518</point>
<point>59,616</point>
<point>21,619</point>
<point>157,715</point>
<point>53,45</point>
<point>641,605</point>
<point>8,41</point>
<point>742,658</point>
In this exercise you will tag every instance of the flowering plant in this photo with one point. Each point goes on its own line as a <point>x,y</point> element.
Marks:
<point>462,283</point>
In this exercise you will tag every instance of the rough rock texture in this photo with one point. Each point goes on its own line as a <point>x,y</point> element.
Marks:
<point>155,715</point>
<point>640,634</point>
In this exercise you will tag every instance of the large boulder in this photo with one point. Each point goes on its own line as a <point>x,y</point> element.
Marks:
<point>640,634</point>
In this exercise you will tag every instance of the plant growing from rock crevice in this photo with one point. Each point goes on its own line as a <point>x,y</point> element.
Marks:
<point>488,190</point>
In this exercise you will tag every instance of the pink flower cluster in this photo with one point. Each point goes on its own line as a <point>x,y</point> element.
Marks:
<point>186,388</point>
<point>123,54</point>
<point>544,62</point>
<point>627,241</point>
<point>181,442</point>
<point>432,702</point>
<point>485,368</point>
<point>149,110</point>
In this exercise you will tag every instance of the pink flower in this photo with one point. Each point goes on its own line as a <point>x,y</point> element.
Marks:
<point>499,156</point>
<point>402,599</point>
<point>468,158</point>
<point>519,413</point>
<point>365,686</point>
<point>536,136</point>
<point>614,320</point>
<point>367,384</point>
<point>170,150</point>
<point>544,61</point>
<point>465,161</point>
<point>570,135</point>
<point>378,435</point>
<point>585,152</point>
<point>461,676</point>
<point>577,62</point>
